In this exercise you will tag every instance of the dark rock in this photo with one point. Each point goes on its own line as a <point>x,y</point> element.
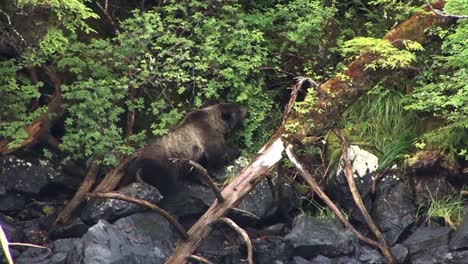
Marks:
<point>57,254</point>
<point>320,260</point>
<point>231,255</point>
<point>12,202</point>
<point>271,251</point>
<point>12,232</point>
<point>76,229</point>
<point>459,239</point>
<point>441,255</point>
<point>346,260</point>
<point>140,238</point>
<point>33,176</point>
<point>113,209</point>
<point>299,260</point>
<point>364,164</point>
<point>370,256</point>
<point>427,239</point>
<point>261,202</point>
<point>394,209</point>
<point>310,237</point>
<point>400,253</point>
<point>192,200</point>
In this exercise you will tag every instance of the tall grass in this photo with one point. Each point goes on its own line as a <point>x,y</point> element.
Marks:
<point>379,119</point>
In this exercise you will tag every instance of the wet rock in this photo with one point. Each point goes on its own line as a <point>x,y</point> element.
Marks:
<point>441,256</point>
<point>400,253</point>
<point>140,238</point>
<point>271,251</point>
<point>12,232</point>
<point>310,237</point>
<point>263,203</point>
<point>320,260</point>
<point>459,239</point>
<point>192,200</point>
<point>394,209</point>
<point>427,241</point>
<point>12,202</point>
<point>299,260</point>
<point>346,260</point>
<point>58,253</point>
<point>113,209</point>
<point>32,176</point>
<point>369,255</point>
<point>76,229</point>
<point>364,164</point>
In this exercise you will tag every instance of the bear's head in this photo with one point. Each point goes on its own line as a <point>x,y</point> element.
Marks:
<point>232,114</point>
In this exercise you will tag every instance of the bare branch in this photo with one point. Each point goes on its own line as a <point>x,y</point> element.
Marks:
<point>241,232</point>
<point>199,259</point>
<point>443,14</point>
<point>12,27</point>
<point>316,188</point>
<point>205,177</point>
<point>358,200</point>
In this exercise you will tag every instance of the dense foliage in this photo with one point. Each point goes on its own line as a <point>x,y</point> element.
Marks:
<point>164,60</point>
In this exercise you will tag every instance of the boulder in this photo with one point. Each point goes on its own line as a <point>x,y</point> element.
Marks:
<point>364,164</point>
<point>310,237</point>
<point>113,209</point>
<point>459,239</point>
<point>139,238</point>
<point>394,209</point>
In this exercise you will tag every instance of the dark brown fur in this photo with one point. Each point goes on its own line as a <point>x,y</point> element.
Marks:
<point>199,137</point>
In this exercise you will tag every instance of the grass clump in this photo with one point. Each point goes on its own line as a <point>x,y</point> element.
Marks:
<point>450,208</point>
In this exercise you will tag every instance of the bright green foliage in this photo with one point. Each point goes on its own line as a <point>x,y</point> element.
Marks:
<point>72,13</point>
<point>442,89</point>
<point>17,93</point>
<point>390,57</point>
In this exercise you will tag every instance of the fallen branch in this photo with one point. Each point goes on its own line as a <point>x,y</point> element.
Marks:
<point>241,232</point>
<point>88,182</point>
<point>199,259</point>
<point>358,200</point>
<point>159,210</point>
<point>204,177</point>
<point>316,188</point>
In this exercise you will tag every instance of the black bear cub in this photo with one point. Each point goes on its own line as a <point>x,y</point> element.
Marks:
<point>199,137</point>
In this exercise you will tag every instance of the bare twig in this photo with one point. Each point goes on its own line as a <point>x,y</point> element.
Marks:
<point>199,259</point>
<point>12,27</point>
<point>162,212</point>
<point>204,175</point>
<point>358,199</point>
<point>443,14</point>
<point>5,244</point>
<point>240,211</point>
<point>241,232</point>
<point>316,188</point>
